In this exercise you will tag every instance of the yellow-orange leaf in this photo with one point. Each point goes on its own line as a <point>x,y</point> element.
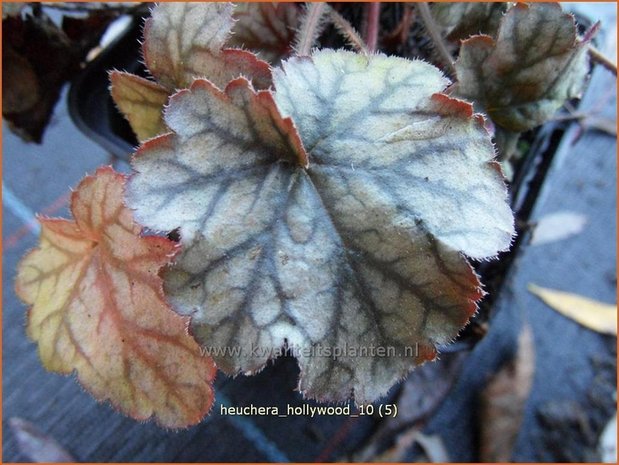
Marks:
<point>141,101</point>
<point>598,316</point>
<point>98,309</point>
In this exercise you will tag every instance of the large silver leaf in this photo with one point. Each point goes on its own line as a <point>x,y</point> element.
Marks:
<point>344,248</point>
<point>378,122</point>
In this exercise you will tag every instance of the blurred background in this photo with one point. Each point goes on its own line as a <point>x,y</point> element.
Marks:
<point>532,379</point>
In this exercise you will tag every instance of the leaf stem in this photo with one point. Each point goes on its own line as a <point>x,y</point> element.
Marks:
<point>373,15</point>
<point>348,31</point>
<point>311,26</point>
<point>399,35</point>
<point>435,35</point>
<point>589,120</point>
<point>598,57</point>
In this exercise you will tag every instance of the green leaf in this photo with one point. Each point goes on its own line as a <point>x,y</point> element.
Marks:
<point>463,19</point>
<point>350,240</point>
<point>527,74</point>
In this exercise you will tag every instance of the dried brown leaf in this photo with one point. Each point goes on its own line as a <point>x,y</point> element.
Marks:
<point>421,394</point>
<point>38,59</point>
<point>503,400</point>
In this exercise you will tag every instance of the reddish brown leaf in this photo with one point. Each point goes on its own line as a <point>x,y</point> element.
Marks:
<point>503,401</point>
<point>38,59</point>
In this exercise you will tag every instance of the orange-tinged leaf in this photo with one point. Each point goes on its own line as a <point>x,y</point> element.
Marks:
<point>98,309</point>
<point>141,101</point>
<point>503,400</point>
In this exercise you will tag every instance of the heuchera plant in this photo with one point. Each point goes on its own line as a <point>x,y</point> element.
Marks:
<point>329,201</point>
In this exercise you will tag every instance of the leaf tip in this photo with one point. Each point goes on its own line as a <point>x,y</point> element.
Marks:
<point>479,39</point>
<point>450,106</point>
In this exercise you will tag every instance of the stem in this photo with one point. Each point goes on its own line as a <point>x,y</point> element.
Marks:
<point>311,26</point>
<point>399,35</point>
<point>371,38</point>
<point>348,31</point>
<point>578,116</point>
<point>589,120</point>
<point>602,59</point>
<point>433,30</point>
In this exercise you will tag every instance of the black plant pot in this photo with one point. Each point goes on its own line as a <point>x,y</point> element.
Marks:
<point>90,104</point>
